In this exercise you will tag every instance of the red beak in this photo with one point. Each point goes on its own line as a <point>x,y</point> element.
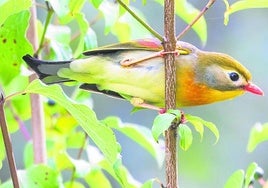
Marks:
<point>253,89</point>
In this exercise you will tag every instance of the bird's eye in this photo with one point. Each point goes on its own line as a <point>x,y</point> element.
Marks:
<point>234,76</point>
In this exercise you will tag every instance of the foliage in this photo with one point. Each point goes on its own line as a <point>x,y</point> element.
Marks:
<point>258,134</point>
<point>242,5</point>
<point>65,115</point>
<point>240,178</point>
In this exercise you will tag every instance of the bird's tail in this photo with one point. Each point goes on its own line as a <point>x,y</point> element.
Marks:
<point>47,70</point>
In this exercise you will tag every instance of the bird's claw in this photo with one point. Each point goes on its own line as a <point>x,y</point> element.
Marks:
<point>138,102</point>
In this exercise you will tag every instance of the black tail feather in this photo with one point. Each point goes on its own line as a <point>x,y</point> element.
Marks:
<point>47,70</point>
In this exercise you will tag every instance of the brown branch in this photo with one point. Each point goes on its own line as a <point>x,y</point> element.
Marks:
<point>170,92</point>
<point>8,145</point>
<point>39,146</point>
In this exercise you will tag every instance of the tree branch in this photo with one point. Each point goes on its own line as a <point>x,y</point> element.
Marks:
<point>8,145</point>
<point>39,146</point>
<point>170,92</point>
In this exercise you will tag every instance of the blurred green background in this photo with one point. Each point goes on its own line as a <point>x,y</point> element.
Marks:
<point>205,164</point>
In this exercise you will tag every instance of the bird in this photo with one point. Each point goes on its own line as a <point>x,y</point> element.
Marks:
<point>134,71</point>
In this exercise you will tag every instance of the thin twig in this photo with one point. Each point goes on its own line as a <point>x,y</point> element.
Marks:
<point>78,157</point>
<point>208,5</point>
<point>8,145</point>
<point>48,19</point>
<point>149,28</point>
<point>170,92</point>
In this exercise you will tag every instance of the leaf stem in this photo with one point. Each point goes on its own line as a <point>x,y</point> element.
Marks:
<point>142,22</point>
<point>8,145</point>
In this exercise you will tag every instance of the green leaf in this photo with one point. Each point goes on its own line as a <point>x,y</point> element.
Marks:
<point>90,39</point>
<point>10,7</point>
<point>63,161</point>
<point>73,184</point>
<point>39,176</point>
<point>59,37</point>
<point>123,175</point>
<point>187,13</point>
<point>161,123</point>
<point>61,7</point>
<point>96,178</point>
<point>110,12</point>
<point>96,3</point>
<point>76,6</point>
<point>127,28</point>
<point>16,108</point>
<point>14,45</point>
<point>249,176</point>
<point>28,154</point>
<point>83,28</point>
<point>176,112</point>
<point>212,127</point>
<point>119,172</point>
<point>139,134</point>
<point>100,134</point>
<point>7,184</point>
<point>185,137</point>
<point>108,167</point>
<point>76,140</point>
<point>67,10</point>
<point>242,5</point>
<point>258,134</point>
<point>236,180</point>
<point>198,125</point>
<point>121,31</point>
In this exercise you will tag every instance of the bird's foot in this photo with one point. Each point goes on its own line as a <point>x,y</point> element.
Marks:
<point>138,102</point>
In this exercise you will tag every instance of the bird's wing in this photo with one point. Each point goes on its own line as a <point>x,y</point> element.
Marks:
<point>142,44</point>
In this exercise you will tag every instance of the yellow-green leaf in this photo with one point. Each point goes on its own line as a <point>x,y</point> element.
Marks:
<point>161,123</point>
<point>249,176</point>
<point>185,137</point>
<point>102,135</point>
<point>242,5</point>
<point>236,180</point>
<point>197,121</point>
<point>258,134</point>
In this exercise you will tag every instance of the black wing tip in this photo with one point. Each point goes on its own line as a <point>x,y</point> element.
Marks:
<point>34,63</point>
<point>28,58</point>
